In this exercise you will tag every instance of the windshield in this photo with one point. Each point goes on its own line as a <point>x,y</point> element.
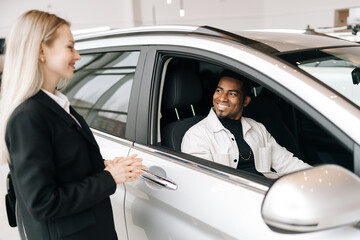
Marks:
<point>339,68</point>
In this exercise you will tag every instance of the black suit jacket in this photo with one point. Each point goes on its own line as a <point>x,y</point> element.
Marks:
<point>58,173</point>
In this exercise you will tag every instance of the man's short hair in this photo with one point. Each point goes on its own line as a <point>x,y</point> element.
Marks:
<point>246,87</point>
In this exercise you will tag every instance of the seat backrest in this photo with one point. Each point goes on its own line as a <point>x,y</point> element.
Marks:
<point>173,133</point>
<point>265,110</point>
<point>182,88</point>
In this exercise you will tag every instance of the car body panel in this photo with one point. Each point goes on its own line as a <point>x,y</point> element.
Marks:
<point>190,217</point>
<point>111,148</point>
<point>153,212</point>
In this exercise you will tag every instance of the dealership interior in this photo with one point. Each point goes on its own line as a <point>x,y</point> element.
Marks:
<point>332,17</point>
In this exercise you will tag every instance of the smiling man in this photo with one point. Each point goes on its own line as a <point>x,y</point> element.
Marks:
<point>226,137</point>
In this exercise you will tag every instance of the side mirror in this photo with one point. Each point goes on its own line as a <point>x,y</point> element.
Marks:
<point>317,198</point>
<point>2,45</point>
<point>355,75</point>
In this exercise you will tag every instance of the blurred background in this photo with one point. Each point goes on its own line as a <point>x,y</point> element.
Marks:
<point>232,15</point>
<point>227,14</point>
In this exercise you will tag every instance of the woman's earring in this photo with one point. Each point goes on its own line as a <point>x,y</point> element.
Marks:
<point>42,59</point>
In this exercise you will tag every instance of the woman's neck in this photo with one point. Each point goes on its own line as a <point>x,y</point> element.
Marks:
<point>50,85</point>
<point>51,80</point>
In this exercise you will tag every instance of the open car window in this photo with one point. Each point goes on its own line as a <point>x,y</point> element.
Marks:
<point>292,129</point>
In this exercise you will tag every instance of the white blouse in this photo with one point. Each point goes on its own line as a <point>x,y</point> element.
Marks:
<point>62,101</point>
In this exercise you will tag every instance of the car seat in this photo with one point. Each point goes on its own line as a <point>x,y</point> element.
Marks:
<point>182,88</point>
<point>265,110</point>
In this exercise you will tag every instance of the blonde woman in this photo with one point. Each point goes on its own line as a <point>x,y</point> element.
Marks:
<point>61,183</point>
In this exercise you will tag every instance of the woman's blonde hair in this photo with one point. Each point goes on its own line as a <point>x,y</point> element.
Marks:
<point>22,76</point>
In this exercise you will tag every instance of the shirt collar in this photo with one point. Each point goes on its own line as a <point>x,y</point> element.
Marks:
<point>245,125</point>
<point>216,126</point>
<point>214,122</point>
<point>60,99</point>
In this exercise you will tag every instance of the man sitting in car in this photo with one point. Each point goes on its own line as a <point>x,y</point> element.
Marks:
<point>226,137</point>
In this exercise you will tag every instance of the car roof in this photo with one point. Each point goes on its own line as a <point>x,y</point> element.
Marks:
<point>266,41</point>
<point>293,40</point>
<point>346,35</point>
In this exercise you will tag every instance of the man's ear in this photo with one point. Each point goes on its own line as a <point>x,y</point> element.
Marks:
<point>247,100</point>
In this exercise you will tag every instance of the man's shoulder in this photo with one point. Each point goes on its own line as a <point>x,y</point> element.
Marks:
<point>250,121</point>
<point>253,125</point>
<point>201,125</point>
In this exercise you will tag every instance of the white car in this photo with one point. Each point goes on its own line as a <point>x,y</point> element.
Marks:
<point>140,90</point>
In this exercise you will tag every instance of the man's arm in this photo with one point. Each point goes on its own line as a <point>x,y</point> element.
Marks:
<point>194,143</point>
<point>283,161</point>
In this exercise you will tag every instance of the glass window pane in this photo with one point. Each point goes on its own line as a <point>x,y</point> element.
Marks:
<point>339,68</point>
<point>94,89</point>
<point>112,117</point>
<point>101,89</point>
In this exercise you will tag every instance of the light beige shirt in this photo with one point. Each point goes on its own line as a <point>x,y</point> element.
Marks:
<point>210,140</point>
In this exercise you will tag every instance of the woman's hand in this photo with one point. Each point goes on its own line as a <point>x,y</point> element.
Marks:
<point>125,169</point>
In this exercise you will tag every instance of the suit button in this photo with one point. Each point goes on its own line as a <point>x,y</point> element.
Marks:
<point>235,160</point>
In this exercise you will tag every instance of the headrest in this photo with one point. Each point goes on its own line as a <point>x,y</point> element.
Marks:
<point>182,87</point>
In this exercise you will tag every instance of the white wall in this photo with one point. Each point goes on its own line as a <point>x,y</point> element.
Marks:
<point>299,14</point>
<point>227,14</point>
<point>240,14</point>
<point>81,13</point>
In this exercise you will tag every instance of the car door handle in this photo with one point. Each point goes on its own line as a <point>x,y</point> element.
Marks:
<point>164,182</point>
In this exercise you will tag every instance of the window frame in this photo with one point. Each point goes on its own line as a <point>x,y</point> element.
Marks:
<point>150,95</point>
<point>134,95</point>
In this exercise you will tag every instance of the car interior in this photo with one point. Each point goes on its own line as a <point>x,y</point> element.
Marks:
<point>186,86</point>
<point>187,89</point>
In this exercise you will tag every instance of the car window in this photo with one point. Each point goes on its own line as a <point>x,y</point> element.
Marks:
<point>339,68</point>
<point>100,89</point>
<point>291,128</point>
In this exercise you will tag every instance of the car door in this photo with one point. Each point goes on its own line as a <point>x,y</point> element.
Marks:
<point>102,91</point>
<point>185,197</point>
<point>199,202</point>
<point>190,205</point>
